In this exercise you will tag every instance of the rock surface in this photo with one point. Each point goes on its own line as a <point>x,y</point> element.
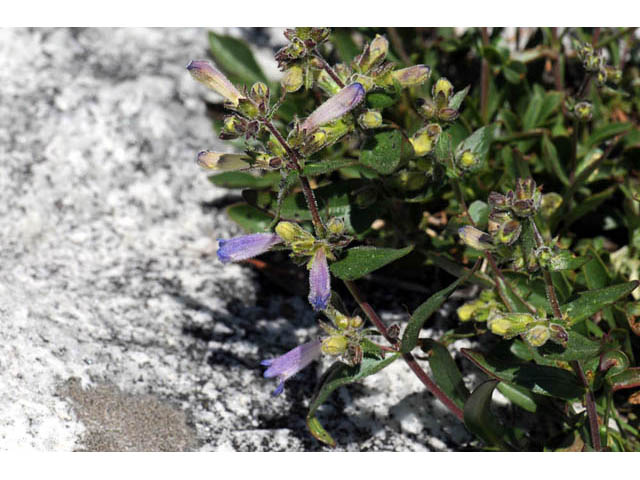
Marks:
<point>120,329</point>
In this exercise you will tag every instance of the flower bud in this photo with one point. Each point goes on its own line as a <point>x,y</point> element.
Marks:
<point>370,119</point>
<point>427,108</point>
<point>233,127</point>
<point>292,232</point>
<point>341,321</point>
<point>356,322</point>
<point>275,147</point>
<point>441,91</point>
<point>293,79</point>
<point>558,334</point>
<point>205,73</point>
<point>614,75</point>
<point>335,226</point>
<point>335,107</point>
<point>247,107</point>
<point>447,114</point>
<point>509,232</point>
<point>583,111</point>
<point>475,238</point>
<point>537,336</point>
<point>422,141</point>
<point>260,93</point>
<point>550,203</point>
<point>412,76</point>
<point>467,160</point>
<point>497,201</point>
<point>223,162</point>
<point>373,54</point>
<point>508,325</point>
<point>465,312</point>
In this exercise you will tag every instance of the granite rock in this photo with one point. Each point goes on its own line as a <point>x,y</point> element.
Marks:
<point>118,323</point>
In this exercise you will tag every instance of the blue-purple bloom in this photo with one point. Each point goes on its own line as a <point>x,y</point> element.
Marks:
<point>319,281</point>
<point>246,246</point>
<point>210,76</point>
<point>341,103</point>
<point>287,365</point>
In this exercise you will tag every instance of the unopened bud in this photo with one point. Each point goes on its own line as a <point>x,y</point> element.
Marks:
<point>335,107</point>
<point>232,127</point>
<point>441,91</point>
<point>335,226</point>
<point>374,54</point>
<point>223,162</point>
<point>335,345</point>
<point>467,160</point>
<point>447,114</point>
<point>509,232</point>
<point>614,75</point>
<point>356,322</point>
<point>583,111</point>
<point>292,232</point>
<point>341,321</point>
<point>422,142</point>
<point>206,74</point>
<point>475,238</point>
<point>558,334</point>
<point>260,93</point>
<point>508,325</point>
<point>497,201</point>
<point>370,119</point>
<point>550,203</point>
<point>293,79</point>
<point>427,108</point>
<point>412,76</point>
<point>537,336</point>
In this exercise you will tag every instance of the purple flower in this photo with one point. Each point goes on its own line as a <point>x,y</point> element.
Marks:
<point>319,281</point>
<point>207,74</point>
<point>287,365</point>
<point>342,102</point>
<point>246,246</point>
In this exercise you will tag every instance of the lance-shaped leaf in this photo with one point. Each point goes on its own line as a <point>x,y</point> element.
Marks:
<point>591,302</point>
<point>630,378</point>
<point>445,371</point>
<point>340,374</point>
<point>423,313</point>
<point>341,103</point>
<point>479,419</point>
<point>360,261</point>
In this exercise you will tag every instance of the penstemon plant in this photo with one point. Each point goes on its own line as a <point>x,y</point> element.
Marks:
<point>431,152</point>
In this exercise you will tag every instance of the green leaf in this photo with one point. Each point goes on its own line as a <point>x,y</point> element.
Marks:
<point>603,133</point>
<point>578,347</point>
<point>445,371</point>
<point>423,313</point>
<point>551,160</point>
<point>592,301</point>
<point>564,260</point>
<point>383,151</point>
<point>444,148</point>
<point>519,396</point>
<point>630,378</point>
<point>588,205</point>
<point>479,212</point>
<point>245,180</point>
<point>345,46</point>
<point>478,417</point>
<point>248,217</point>
<point>327,166</point>
<point>478,142</point>
<point>360,261</point>
<point>595,271</point>
<point>235,59</point>
<point>340,374</point>
<point>545,380</point>
<point>379,100</point>
<point>514,72</point>
<point>458,98</point>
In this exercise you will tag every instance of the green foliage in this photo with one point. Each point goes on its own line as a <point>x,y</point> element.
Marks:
<point>535,177</point>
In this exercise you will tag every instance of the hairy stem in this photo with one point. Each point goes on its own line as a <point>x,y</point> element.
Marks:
<point>328,69</point>
<point>407,357</point>
<point>304,181</point>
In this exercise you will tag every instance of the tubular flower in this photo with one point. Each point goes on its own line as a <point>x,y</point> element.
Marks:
<point>319,281</point>
<point>207,74</point>
<point>287,365</point>
<point>246,246</point>
<point>341,103</point>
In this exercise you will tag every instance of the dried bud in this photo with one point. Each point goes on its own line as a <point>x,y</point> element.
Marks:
<point>497,201</point>
<point>558,334</point>
<point>428,108</point>
<point>370,119</point>
<point>447,114</point>
<point>509,232</point>
<point>412,76</point>
<point>335,107</point>
<point>335,345</point>
<point>223,162</point>
<point>373,55</point>
<point>549,204</point>
<point>475,238</point>
<point>537,336</point>
<point>293,79</point>
<point>583,111</point>
<point>205,73</point>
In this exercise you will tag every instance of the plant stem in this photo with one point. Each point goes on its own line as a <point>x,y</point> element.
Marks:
<point>304,181</point>
<point>407,357</point>
<point>484,81</point>
<point>590,401</point>
<point>328,69</point>
<point>396,41</point>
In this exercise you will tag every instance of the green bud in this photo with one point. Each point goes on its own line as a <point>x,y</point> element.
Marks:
<point>583,111</point>
<point>442,89</point>
<point>467,160</point>
<point>275,147</point>
<point>260,92</point>
<point>367,82</point>
<point>370,119</point>
<point>509,232</point>
<point>247,107</point>
<point>508,325</point>
<point>475,238</point>
<point>292,232</point>
<point>335,226</point>
<point>428,108</point>
<point>466,311</point>
<point>422,142</point>
<point>335,345</point>
<point>293,79</point>
<point>614,75</point>
<point>232,127</point>
<point>537,336</point>
<point>341,321</point>
<point>356,322</point>
<point>373,54</point>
